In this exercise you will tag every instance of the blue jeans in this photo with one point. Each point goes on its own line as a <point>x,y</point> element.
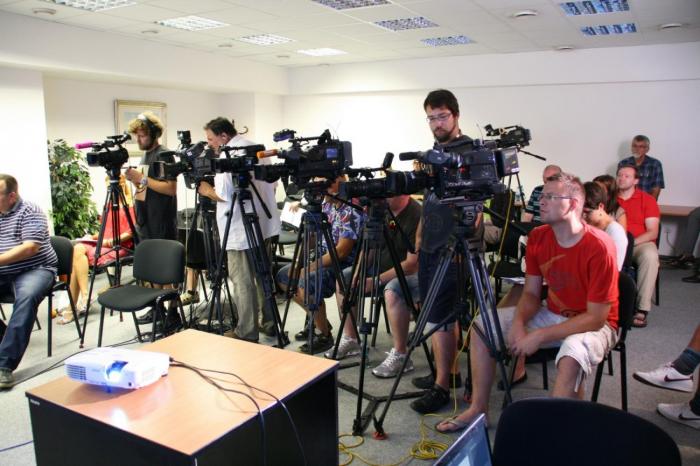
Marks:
<point>29,289</point>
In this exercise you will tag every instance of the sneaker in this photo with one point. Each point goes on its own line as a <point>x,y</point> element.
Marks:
<point>189,297</point>
<point>427,382</point>
<point>391,366</point>
<point>348,347</point>
<point>6,378</point>
<point>432,400</point>
<point>666,377</point>
<point>321,343</point>
<point>680,413</point>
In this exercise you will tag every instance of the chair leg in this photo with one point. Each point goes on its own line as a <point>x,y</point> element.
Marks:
<point>50,327</point>
<point>375,325</point>
<point>545,376</point>
<point>102,322</point>
<point>657,291</point>
<point>2,313</point>
<point>610,366</point>
<point>598,378</point>
<point>623,376</point>
<point>138,331</point>
<point>75,314</point>
<point>38,325</point>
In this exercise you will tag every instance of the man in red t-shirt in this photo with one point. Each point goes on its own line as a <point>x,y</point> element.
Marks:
<point>579,264</point>
<point>643,218</point>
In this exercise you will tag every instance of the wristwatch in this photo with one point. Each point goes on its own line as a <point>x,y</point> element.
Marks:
<point>144,182</point>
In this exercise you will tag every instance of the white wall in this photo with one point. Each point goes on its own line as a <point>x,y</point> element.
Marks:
<point>23,150</point>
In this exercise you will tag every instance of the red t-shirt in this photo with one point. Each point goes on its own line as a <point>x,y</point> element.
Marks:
<point>585,272</point>
<point>638,207</point>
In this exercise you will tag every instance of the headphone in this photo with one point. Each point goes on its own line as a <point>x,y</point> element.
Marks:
<point>153,129</point>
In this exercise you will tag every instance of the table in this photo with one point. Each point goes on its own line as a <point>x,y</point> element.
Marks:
<point>675,210</point>
<point>183,420</point>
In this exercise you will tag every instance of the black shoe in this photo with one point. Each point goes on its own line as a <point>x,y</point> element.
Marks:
<point>269,329</point>
<point>692,279</point>
<point>173,323</point>
<point>303,334</point>
<point>320,343</point>
<point>433,399</point>
<point>147,318</point>
<point>426,382</point>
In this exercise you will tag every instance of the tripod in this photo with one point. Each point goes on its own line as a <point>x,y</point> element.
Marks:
<point>375,238</point>
<point>110,212</point>
<point>464,249</point>
<point>314,229</point>
<point>206,210</point>
<point>256,253</point>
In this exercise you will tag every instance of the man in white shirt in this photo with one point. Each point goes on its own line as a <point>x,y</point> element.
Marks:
<point>247,289</point>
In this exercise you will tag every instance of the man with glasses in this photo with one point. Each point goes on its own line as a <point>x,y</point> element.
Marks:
<point>578,263</point>
<point>27,271</point>
<point>437,222</point>
<point>651,172</point>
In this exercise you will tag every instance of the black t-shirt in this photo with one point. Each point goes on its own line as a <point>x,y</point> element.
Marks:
<point>438,220</point>
<point>156,217</point>
<point>408,219</point>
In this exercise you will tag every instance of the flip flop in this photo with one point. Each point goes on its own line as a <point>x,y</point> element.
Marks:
<point>65,318</point>
<point>453,421</point>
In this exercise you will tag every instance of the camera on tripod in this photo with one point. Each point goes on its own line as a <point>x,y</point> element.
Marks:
<point>110,153</point>
<point>303,162</point>
<point>369,187</point>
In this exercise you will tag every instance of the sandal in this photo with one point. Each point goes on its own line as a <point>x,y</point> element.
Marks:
<point>65,318</point>
<point>640,319</point>
<point>455,425</point>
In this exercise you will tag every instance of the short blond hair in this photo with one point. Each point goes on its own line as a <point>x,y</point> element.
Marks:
<point>572,186</point>
<point>149,122</point>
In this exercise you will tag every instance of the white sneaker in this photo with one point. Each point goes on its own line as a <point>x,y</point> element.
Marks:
<point>666,377</point>
<point>189,298</point>
<point>391,366</point>
<point>348,347</point>
<point>679,412</point>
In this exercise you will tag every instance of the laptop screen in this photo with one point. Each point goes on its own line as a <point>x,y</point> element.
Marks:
<point>472,448</point>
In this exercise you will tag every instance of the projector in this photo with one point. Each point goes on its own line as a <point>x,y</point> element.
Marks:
<point>116,367</point>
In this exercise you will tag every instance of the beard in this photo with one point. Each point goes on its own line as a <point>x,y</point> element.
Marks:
<point>442,135</point>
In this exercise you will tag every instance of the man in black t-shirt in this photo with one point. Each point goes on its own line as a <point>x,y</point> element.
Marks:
<point>155,200</point>
<point>406,212</point>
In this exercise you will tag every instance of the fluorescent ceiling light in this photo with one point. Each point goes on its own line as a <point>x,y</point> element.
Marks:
<point>191,23</point>
<point>94,5</point>
<point>348,4</point>
<point>265,39</point>
<point>596,7</point>
<point>670,26</point>
<point>611,29</point>
<point>525,14</point>
<point>406,23</point>
<point>322,52</point>
<point>450,40</point>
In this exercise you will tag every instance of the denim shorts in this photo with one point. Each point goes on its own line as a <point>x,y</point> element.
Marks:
<point>327,280</point>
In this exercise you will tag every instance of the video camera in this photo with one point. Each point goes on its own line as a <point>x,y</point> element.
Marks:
<point>466,169</point>
<point>369,187</point>
<point>110,153</point>
<point>328,159</point>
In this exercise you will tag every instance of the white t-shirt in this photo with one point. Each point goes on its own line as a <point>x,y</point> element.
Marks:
<point>619,237</point>
<point>237,240</point>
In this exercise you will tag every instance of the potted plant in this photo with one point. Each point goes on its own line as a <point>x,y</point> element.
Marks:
<point>74,214</point>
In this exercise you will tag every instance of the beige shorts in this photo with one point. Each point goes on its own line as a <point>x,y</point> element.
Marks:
<point>588,349</point>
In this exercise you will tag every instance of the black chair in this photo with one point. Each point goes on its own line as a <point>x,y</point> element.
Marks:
<point>626,308</point>
<point>557,431</point>
<point>157,261</point>
<point>508,264</point>
<point>64,252</point>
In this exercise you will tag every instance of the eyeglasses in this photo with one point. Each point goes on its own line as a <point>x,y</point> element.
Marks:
<point>641,146</point>
<point>550,197</point>
<point>441,117</point>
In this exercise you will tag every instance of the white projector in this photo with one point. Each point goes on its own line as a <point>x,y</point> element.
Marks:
<point>116,367</point>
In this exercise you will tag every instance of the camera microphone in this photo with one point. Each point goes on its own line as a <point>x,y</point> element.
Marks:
<point>84,145</point>
<point>410,155</point>
<point>388,158</point>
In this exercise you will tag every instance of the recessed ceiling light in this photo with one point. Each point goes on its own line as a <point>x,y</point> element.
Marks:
<point>191,23</point>
<point>225,45</point>
<point>322,52</point>
<point>265,39</point>
<point>44,11</point>
<point>403,24</point>
<point>443,41</point>
<point>348,4</point>
<point>525,14</point>
<point>596,7</point>
<point>564,48</point>
<point>94,5</point>
<point>670,26</point>
<point>283,57</point>
<point>610,29</point>
<point>151,31</point>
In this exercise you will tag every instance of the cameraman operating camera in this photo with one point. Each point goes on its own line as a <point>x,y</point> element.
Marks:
<point>247,290</point>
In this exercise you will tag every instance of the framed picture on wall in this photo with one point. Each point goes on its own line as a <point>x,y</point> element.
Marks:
<point>127,110</point>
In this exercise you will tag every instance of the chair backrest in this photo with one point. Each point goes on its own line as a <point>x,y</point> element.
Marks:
<point>500,204</point>
<point>159,261</point>
<point>530,434</point>
<point>64,252</point>
<point>626,306</point>
<point>630,251</point>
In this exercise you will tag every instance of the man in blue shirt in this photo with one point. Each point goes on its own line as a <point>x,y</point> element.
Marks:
<point>651,172</point>
<point>27,270</point>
